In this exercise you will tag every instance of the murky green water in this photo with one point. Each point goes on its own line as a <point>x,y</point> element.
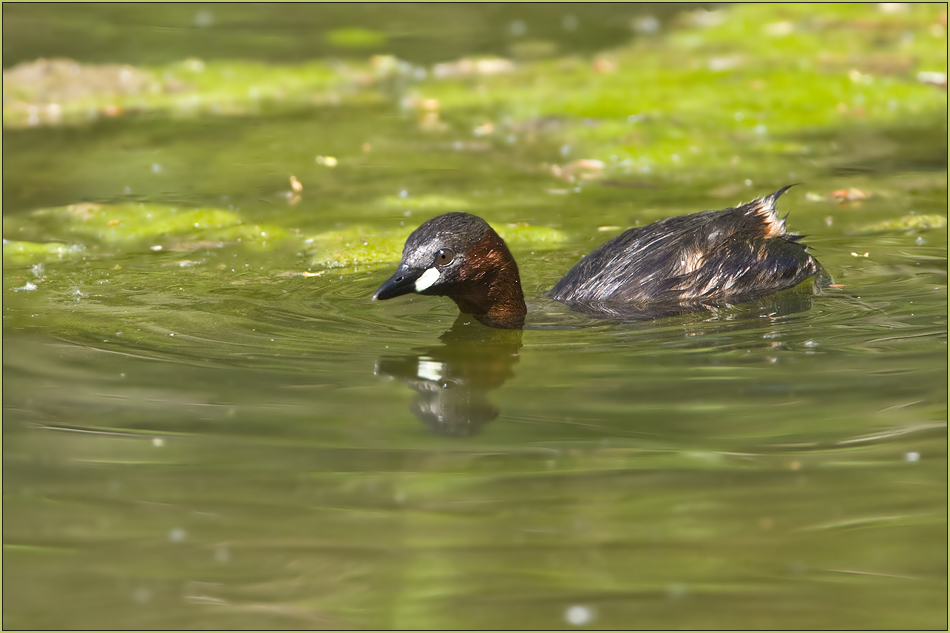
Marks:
<point>202,437</point>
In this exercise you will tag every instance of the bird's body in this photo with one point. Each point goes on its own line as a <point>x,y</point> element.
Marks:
<point>678,264</point>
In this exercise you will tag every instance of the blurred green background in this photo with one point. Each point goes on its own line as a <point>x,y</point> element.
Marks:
<point>207,423</point>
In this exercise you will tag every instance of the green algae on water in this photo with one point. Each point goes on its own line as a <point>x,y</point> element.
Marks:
<point>59,232</point>
<point>24,252</point>
<point>65,91</point>
<point>925,221</point>
<point>362,245</point>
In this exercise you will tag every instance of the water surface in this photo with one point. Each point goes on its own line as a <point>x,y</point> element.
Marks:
<point>203,437</point>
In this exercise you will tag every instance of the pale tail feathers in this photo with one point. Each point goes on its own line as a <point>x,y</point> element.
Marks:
<point>765,209</point>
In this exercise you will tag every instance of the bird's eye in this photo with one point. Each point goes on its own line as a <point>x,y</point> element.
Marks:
<point>444,257</point>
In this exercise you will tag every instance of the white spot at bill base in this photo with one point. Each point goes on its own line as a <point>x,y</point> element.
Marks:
<point>428,278</point>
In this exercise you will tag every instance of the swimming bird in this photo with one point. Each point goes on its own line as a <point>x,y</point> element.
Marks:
<point>680,264</point>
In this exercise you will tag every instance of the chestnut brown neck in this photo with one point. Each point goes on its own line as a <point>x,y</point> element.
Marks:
<point>489,286</point>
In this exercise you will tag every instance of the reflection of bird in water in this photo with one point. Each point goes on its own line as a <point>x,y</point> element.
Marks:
<point>680,264</point>
<point>452,380</point>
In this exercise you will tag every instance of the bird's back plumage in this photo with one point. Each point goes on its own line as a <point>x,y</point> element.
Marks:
<point>725,256</point>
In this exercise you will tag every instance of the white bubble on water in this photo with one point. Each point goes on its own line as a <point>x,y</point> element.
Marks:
<point>579,615</point>
<point>645,25</point>
<point>204,19</point>
<point>141,595</point>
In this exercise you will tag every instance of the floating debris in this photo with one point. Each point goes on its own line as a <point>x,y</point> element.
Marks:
<point>932,78</point>
<point>779,29</point>
<point>468,67</point>
<point>580,169</point>
<point>851,194</point>
<point>430,122</point>
<point>893,8</point>
<point>484,129</point>
<point>602,65</point>
<point>721,64</point>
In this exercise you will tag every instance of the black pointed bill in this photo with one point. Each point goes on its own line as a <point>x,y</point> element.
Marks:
<point>402,283</point>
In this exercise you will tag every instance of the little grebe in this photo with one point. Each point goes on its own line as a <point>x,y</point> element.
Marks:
<point>680,264</point>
